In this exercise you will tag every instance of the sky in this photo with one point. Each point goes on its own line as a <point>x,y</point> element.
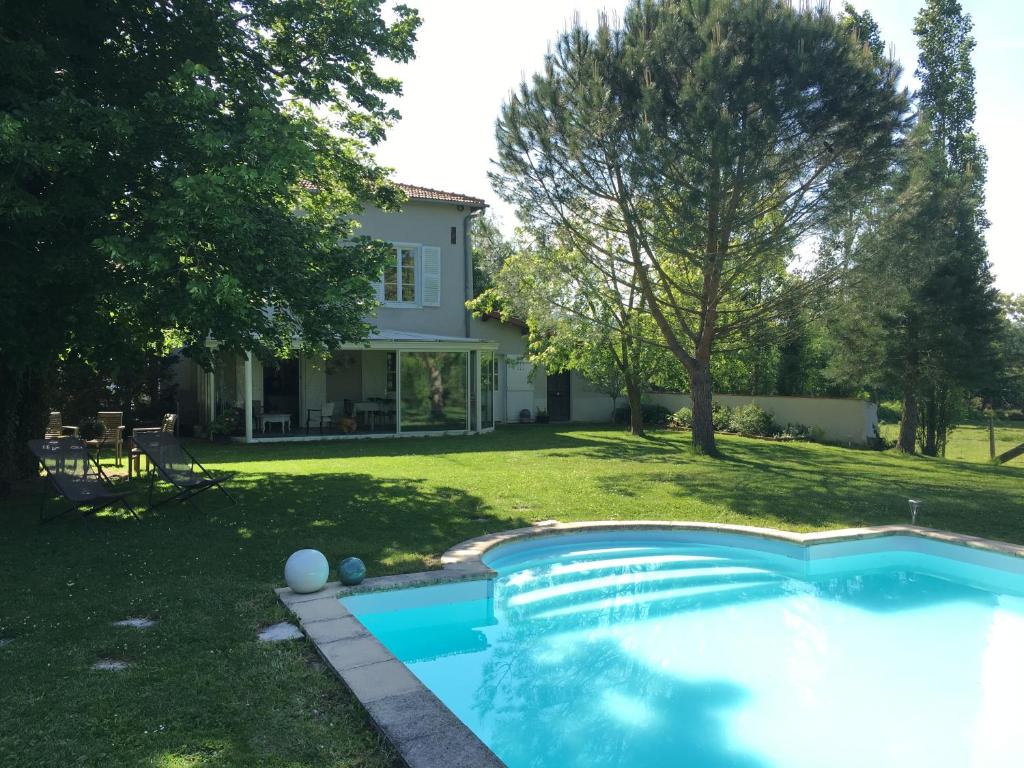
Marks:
<point>470,55</point>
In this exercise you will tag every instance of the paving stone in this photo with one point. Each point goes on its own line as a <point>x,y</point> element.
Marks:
<point>451,750</point>
<point>137,623</point>
<point>111,665</point>
<point>411,716</point>
<point>331,630</point>
<point>379,681</point>
<point>283,630</point>
<point>290,598</point>
<point>318,610</point>
<point>354,652</point>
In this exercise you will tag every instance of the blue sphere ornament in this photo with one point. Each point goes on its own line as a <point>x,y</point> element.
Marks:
<point>306,571</point>
<point>351,571</point>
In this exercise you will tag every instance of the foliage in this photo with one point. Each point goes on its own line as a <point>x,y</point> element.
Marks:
<point>681,419</point>
<point>230,422</point>
<point>752,420</point>
<point>91,428</point>
<point>721,417</point>
<point>921,316</point>
<point>654,414</point>
<point>1007,390</point>
<point>580,319</point>
<point>185,170</point>
<point>491,249</point>
<point>651,147</point>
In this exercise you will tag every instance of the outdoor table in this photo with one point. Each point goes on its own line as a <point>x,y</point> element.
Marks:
<point>369,409</point>
<point>284,419</point>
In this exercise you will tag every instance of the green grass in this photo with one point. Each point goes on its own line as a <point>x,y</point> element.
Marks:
<point>203,692</point>
<point>969,442</point>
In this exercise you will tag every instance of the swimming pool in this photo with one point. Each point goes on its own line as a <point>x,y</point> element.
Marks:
<point>662,648</point>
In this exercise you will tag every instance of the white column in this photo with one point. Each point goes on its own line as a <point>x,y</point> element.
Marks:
<point>398,392</point>
<point>248,397</point>
<point>478,363</point>
<point>213,395</point>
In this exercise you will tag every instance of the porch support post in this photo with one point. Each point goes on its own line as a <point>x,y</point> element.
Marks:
<point>248,397</point>
<point>213,396</point>
<point>398,392</point>
<point>477,359</point>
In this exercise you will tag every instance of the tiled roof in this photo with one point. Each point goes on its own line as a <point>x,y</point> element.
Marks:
<point>426,193</point>
<point>423,193</point>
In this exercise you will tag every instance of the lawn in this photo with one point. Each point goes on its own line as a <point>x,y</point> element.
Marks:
<point>202,691</point>
<point>969,442</point>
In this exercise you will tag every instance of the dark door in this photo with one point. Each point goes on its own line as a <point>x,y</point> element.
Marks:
<point>558,396</point>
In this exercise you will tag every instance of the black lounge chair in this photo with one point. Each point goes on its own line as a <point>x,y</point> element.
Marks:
<point>76,475</point>
<point>168,457</point>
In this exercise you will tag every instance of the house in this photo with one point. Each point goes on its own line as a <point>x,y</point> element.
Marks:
<point>428,367</point>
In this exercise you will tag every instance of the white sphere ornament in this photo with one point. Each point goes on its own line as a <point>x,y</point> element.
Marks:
<point>306,571</point>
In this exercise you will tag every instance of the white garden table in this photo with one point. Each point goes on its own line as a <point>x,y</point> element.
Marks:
<point>284,419</point>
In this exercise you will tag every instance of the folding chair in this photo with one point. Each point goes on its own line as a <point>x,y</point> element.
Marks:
<point>69,467</point>
<point>169,458</point>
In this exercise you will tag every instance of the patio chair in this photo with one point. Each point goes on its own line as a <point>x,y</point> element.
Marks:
<point>55,427</point>
<point>169,424</point>
<point>324,415</point>
<point>169,458</point>
<point>69,467</point>
<point>113,434</point>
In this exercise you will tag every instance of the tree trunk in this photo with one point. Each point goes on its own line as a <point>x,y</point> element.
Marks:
<point>907,442</point>
<point>22,417</point>
<point>931,420</point>
<point>700,392</point>
<point>636,411</point>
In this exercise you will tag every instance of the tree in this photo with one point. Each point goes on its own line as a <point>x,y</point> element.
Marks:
<point>957,342</point>
<point>490,251</point>
<point>696,144</point>
<point>581,319</point>
<point>185,170</point>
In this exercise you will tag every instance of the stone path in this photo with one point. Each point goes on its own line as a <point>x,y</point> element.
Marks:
<point>111,665</point>
<point>275,633</point>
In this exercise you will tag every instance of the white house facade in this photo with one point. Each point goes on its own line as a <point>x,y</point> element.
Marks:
<point>428,367</point>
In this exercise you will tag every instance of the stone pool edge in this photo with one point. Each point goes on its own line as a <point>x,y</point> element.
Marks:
<point>421,728</point>
<point>467,557</point>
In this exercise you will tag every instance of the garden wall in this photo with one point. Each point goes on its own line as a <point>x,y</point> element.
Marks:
<point>841,420</point>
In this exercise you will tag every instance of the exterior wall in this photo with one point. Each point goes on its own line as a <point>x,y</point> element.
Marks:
<point>588,402</point>
<point>841,420</point>
<point>521,385</point>
<point>345,377</point>
<point>425,223</point>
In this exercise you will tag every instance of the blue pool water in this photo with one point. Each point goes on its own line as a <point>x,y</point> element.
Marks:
<point>661,649</point>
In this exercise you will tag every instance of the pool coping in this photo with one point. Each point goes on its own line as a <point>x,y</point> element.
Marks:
<point>422,729</point>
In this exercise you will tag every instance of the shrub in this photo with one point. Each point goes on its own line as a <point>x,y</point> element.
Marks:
<point>654,415</point>
<point>721,417</point>
<point>889,411</point>
<point>681,419</point>
<point>798,432</point>
<point>753,420</point>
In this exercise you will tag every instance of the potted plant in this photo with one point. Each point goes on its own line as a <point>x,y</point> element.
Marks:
<point>542,416</point>
<point>227,424</point>
<point>91,428</point>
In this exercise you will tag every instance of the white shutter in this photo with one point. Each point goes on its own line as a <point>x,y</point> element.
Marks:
<point>431,276</point>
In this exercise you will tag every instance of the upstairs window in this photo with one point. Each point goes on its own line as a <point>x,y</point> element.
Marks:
<point>400,277</point>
